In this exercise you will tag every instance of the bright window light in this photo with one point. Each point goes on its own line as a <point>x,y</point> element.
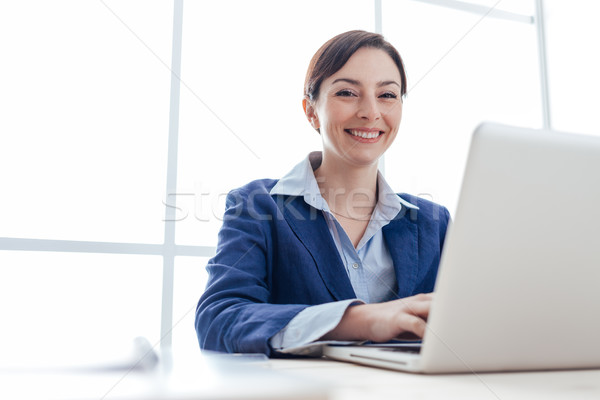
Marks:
<point>84,124</point>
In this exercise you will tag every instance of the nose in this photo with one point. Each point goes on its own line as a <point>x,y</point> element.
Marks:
<point>369,109</point>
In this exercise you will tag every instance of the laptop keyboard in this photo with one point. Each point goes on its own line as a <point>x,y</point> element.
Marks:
<point>403,349</point>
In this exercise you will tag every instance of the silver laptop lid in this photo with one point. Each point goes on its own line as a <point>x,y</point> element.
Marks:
<point>519,281</point>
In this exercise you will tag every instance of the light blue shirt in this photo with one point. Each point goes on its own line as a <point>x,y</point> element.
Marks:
<point>369,266</point>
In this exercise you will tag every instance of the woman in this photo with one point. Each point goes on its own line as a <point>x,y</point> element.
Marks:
<point>329,251</point>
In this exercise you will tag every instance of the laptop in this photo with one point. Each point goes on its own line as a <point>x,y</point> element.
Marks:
<point>519,281</point>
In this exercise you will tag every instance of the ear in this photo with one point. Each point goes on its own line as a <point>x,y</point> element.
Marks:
<point>311,114</point>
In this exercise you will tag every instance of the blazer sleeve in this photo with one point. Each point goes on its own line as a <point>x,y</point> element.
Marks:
<point>234,313</point>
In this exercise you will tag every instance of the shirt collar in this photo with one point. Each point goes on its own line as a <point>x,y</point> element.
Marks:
<point>389,204</point>
<point>301,181</point>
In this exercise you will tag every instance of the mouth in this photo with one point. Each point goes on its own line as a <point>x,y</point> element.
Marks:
<point>364,134</point>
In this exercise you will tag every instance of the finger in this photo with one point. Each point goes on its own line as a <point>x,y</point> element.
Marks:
<point>422,296</point>
<point>407,336</point>
<point>418,308</point>
<point>411,323</point>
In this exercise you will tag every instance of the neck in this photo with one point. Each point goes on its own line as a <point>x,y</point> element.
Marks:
<point>350,190</point>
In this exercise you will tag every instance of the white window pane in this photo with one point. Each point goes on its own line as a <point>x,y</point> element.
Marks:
<point>460,72</point>
<point>69,301</point>
<point>572,33</point>
<point>190,281</point>
<point>241,112</point>
<point>85,107</point>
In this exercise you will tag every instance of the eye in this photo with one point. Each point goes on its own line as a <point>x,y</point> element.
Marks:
<point>345,93</point>
<point>389,95</point>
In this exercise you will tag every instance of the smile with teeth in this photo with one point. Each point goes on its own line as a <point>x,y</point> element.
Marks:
<point>363,134</point>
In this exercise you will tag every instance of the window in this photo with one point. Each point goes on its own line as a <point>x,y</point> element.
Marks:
<point>573,66</point>
<point>85,97</point>
<point>85,119</point>
<point>463,68</point>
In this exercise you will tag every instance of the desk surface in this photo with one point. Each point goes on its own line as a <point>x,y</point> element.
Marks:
<point>353,382</point>
<point>316,379</point>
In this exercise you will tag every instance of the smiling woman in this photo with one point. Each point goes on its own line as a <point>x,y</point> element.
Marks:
<point>360,104</point>
<point>329,251</point>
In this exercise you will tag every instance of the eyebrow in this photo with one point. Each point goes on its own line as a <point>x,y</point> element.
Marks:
<point>357,83</point>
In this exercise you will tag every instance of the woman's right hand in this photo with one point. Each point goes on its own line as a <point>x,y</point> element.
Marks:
<point>381,322</point>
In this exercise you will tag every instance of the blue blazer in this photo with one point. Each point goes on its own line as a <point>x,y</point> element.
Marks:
<point>275,257</point>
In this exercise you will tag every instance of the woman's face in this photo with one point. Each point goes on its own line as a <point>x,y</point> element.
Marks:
<point>359,108</point>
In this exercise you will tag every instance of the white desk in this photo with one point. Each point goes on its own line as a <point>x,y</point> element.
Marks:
<point>306,379</point>
<point>354,382</point>
<point>198,378</point>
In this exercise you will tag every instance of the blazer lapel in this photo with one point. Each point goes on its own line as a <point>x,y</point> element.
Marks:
<point>401,236</point>
<point>310,227</point>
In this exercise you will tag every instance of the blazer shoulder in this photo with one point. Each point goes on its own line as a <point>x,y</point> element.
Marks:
<point>257,186</point>
<point>255,191</point>
<point>428,209</point>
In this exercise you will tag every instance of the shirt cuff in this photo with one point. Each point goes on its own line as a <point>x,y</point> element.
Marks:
<point>309,325</point>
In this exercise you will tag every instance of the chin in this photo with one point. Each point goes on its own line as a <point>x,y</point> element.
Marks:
<point>365,161</point>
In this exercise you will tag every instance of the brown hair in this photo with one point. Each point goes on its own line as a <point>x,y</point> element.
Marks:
<point>334,54</point>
